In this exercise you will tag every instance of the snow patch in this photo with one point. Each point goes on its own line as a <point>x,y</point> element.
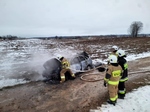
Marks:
<point>136,101</point>
<point>11,82</point>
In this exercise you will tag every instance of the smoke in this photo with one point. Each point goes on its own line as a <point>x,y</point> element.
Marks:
<point>38,59</point>
<point>22,60</point>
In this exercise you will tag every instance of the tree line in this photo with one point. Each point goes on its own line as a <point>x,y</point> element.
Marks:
<point>9,37</point>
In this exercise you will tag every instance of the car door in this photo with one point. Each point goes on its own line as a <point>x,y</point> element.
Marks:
<point>83,62</point>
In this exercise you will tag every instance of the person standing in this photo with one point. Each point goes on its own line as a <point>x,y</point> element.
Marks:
<point>123,63</point>
<point>65,67</point>
<point>112,77</point>
<point>114,50</point>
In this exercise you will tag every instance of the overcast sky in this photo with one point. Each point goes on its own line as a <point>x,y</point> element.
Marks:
<point>71,17</point>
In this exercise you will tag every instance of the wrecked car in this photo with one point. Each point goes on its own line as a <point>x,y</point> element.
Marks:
<point>80,62</point>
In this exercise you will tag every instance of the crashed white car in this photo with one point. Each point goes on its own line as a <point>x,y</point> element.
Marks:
<point>78,63</point>
<point>81,62</point>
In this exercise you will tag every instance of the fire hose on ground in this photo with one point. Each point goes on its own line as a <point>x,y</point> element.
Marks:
<point>99,79</point>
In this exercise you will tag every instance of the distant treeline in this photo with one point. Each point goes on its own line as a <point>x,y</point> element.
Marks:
<point>8,37</point>
<point>95,36</point>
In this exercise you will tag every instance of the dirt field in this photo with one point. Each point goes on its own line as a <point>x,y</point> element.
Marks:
<point>76,95</point>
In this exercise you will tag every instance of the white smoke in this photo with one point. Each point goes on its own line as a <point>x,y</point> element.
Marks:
<point>22,60</point>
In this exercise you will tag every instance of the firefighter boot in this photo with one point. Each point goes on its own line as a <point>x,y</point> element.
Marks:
<point>62,79</point>
<point>111,102</point>
<point>121,96</point>
<point>73,75</point>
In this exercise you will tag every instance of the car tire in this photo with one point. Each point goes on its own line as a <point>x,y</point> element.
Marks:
<point>88,67</point>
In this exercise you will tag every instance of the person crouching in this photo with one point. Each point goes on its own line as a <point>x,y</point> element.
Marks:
<point>65,67</point>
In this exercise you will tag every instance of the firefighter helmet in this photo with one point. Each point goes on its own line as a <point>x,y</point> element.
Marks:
<point>59,56</point>
<point>115,47</point>
<point>112,59</point>
<point>121,53</point>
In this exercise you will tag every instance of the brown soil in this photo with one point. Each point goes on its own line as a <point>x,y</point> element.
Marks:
<point>71,96</point>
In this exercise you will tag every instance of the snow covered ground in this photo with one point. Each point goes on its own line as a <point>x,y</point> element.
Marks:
<point>23,59</point>
<point>136,101</point>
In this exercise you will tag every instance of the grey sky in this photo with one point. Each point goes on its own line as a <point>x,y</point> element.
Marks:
<point>71,17</point>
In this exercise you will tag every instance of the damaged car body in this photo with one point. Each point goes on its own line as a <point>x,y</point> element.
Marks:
<point>80,62</point>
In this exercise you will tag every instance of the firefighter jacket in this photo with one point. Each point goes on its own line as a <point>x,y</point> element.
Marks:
<point>113,53</point>
<point>113,74</point>
<point>123,63</point>
<point>65,64</point>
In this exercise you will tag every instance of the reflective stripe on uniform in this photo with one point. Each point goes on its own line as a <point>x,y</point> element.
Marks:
<point>125,66</point>
<point>114,98</point>
<point>116,73</point>
<point>73,75</point>
<point>65,64</point>
<point>106,79</point>
<point>122,91</point>
<point>63,77</point>
<point>113,82</point>
<point>124,79</point>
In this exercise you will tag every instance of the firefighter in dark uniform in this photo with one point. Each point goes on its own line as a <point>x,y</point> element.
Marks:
<point>123,63</point>
<point>65,65</point>
<point>112,78</point>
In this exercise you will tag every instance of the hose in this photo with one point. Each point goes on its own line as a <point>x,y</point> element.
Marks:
<point>88,80</point>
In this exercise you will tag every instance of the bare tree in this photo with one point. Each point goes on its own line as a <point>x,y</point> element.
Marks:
<point>135,28</point>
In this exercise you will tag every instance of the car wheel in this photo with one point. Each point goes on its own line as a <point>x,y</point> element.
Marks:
<point>88,67</point>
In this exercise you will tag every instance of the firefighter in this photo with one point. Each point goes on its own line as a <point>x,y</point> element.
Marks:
<point>65,67</point>
<point>114,50</point>
<point>123,63</point>
<point>112,78</point>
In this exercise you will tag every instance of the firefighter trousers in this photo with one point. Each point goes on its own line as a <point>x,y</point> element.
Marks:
<point>63,71</point>
<point>113,92</point>
<point>122,89</point>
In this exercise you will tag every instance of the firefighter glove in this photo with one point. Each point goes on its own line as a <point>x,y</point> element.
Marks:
<point>105,84</point>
